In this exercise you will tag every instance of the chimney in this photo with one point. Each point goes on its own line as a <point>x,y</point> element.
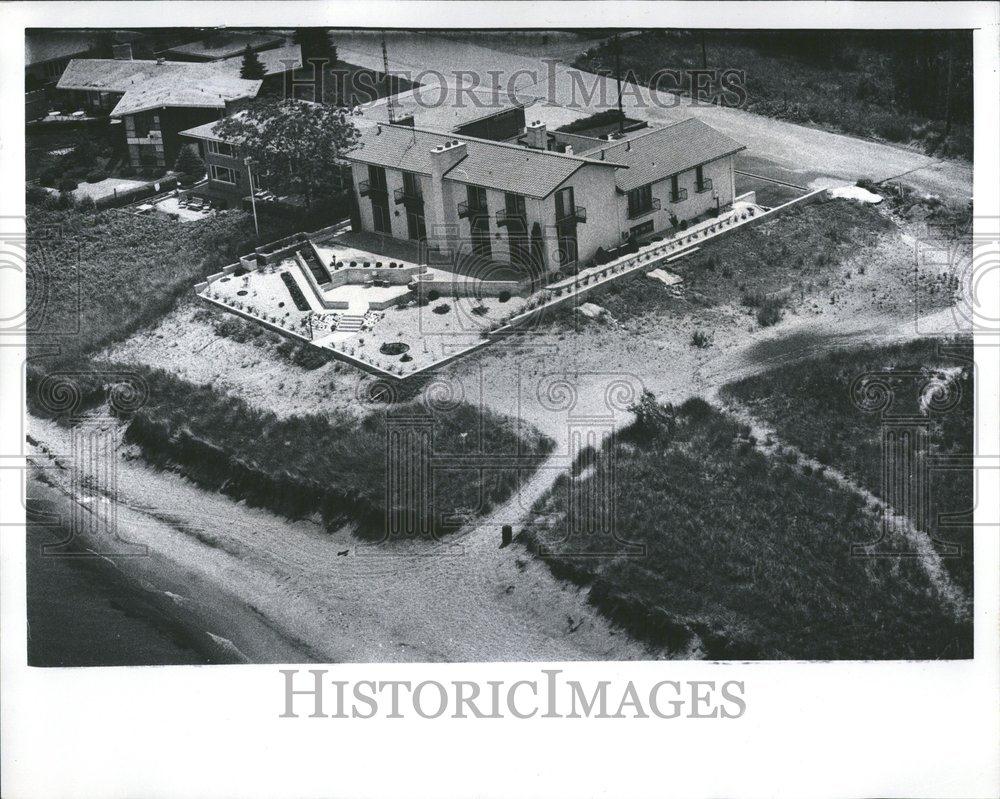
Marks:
<point>536,135</point>
<point>122,52</point>
<point>569,149</point>
<point>445,156</point>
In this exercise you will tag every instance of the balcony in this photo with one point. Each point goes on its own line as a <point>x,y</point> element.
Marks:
<point>635,213</point>
<point>466,211</point>
<point>515,221</point>
<point>575,215</point>
<point>407,198</point>
<point>705,185</point>
<point>679,196</point>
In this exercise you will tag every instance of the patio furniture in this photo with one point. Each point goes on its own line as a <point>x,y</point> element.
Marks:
<point>196,204</point>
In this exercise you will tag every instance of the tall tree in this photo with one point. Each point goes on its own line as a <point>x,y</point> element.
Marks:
<point>315,44</point>
<point>251,68</point>
<point>295,147</point>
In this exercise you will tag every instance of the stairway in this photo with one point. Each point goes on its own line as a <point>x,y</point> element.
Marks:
<point>349,323</point>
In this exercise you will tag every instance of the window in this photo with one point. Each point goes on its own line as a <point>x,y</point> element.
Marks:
<point>566,226</point>
<point>143,123</point>
<point>411,187</point>
<point>640,201</point>
<point>701,182</point>
<point>381,217</point>
<point>223,174</point>
<point>416,226</point>
<point>516,220</point>
<point>220,148</point>
<point>376,178</point>
<point>677,194</point>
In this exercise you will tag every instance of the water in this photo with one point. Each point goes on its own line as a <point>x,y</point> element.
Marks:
<point>82,611</point>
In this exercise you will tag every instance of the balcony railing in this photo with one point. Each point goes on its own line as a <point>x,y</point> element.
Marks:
<point>679,196</point>
<point>365,189</point>
<point>407,198</point>
<point>578,214</point>
<point>466,211</point>
<point>507,219</point>
<point>635,213</point>
<point>705,185</point>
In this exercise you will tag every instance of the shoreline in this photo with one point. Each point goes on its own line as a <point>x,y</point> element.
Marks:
<point>209,620</point>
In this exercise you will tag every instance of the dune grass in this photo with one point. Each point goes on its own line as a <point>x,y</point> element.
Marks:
<point>812,406</point>
<point>95,278</point>
<point>334,467</point>
<point>743,552</point>
<point>783,258</point>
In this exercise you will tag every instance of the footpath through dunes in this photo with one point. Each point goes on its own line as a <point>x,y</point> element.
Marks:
<point>811,152</point>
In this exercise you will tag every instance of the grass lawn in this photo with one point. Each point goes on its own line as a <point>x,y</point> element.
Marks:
<point>747,552</point>
<point>889,86</point>
<point>811,405</point>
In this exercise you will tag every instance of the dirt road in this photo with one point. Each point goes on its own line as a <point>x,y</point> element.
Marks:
<point>564,94</point>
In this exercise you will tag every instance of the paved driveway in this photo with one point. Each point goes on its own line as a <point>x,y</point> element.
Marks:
<point>806,153</point>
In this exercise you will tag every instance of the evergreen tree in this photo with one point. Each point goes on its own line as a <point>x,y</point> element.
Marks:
<point>315,44</point>
<point>252,68</point>
<point>188,162</point>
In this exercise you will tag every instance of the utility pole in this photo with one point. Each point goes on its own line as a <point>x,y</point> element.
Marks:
<point>253,198</point>
<point>388,88</point>
<point>618,79</point>
<point>947,88</point>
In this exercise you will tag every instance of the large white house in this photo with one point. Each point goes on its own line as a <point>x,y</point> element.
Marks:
<point>493,198</point>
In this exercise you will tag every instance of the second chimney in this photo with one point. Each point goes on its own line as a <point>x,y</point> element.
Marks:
<point>536,135</point>
<point>445,156</point>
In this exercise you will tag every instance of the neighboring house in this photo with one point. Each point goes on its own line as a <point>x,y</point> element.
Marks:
<point>47,52</point>
<point>157,100</point>
<point>227,173</point>
<point>218,45</point>
<point>466,194</point>
<point>490,117</point>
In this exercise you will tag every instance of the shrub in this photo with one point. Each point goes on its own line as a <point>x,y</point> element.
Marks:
<point>393,348</point>
<point>67,184</point>
<point>35,195</point>
<point>96,176</point>
<point>700,339</point>
<point>443,308</point>
<point>504,296</point>
<point>433,295</point>
<point>86,204</point>
<point>769,312</point>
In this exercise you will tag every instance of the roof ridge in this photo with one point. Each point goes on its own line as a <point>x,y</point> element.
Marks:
<point>518,147</point>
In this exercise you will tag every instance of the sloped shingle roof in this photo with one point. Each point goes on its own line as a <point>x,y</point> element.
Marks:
<point>154,84</point>
<point>496,165</point>
<point>662,152</point>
